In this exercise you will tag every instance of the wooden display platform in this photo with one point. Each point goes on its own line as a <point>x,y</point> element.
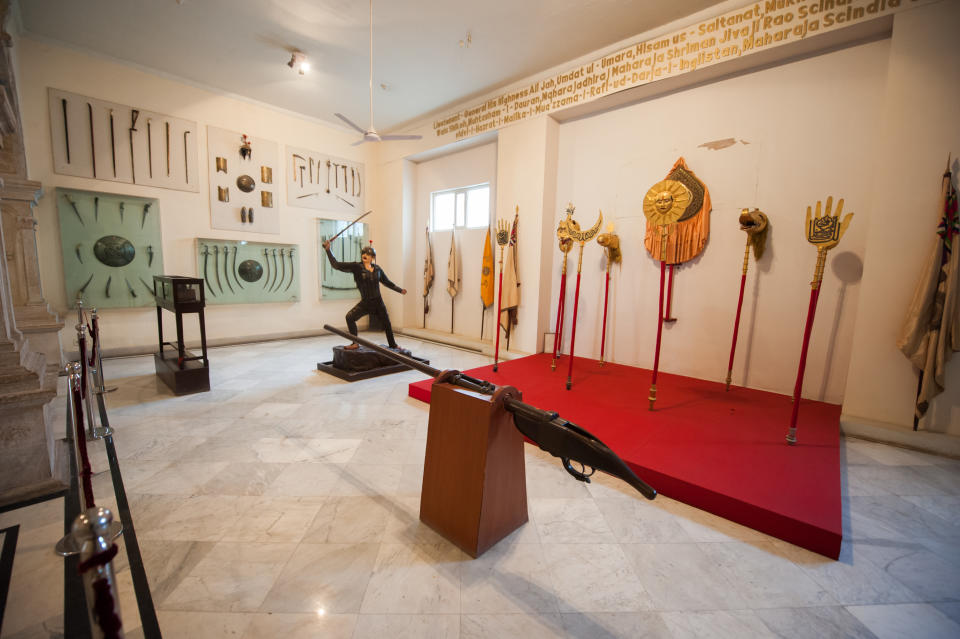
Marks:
<point>194,377</point>
<point>362,363</point>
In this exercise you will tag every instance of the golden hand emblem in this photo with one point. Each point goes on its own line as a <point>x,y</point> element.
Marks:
<point>824,230</point>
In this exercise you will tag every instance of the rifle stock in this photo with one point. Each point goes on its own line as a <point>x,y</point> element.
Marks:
<point>547,430</point>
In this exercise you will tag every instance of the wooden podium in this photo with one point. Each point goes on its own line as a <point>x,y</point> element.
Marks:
<point>474,482</point>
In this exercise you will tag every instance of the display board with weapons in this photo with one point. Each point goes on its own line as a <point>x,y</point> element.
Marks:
<point>111,248</point>
<point>324,182</point>
<point>240,272</point>
<point>347,239</point>
<point>109,141</point>
<point>244,176</point>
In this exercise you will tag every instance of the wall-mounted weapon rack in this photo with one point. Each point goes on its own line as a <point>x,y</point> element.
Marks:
<point>244,182</point>
<point>325,182</point>
<point>240,272</point>
<point>109,141</point>
<point>182,371</point>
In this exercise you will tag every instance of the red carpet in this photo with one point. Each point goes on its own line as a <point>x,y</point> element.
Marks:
<point>723,452</point>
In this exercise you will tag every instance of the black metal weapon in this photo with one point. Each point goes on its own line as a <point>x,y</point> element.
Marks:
<point>149,255</point>
<point>290,254</point>
<point>226,267</point>
<point>121,211</point>
<point>186,166</point>
<point>341,232</point>
<point>85,285</point>
<point>113,145</point>
<point>130,288</point>
<point>266,264</point>
<point>274,269</point>
<point>96,209</point>
<point>147,286</point>
<point>74,205</point>
<point>216,266</point>
<point>549,431</point>
<point>283,270</point>
<point>347,201</point>
<point>167,124</point>
<point>77,251</point>
<point>93,148</point>
<point>149,149</point>
<point>107,289</point>
<point>146,209</point>
<point>66,129</point>
<point>206,257</point>
<point>234,269</point>
<point>134,114</point>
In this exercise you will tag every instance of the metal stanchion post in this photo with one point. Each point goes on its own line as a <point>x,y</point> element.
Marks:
<point>92,538</point>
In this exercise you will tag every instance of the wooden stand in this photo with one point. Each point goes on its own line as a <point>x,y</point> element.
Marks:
<point>474,481</point>
<point>182,371</point>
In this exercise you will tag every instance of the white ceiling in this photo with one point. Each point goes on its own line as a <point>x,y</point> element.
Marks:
<point>242,46</point>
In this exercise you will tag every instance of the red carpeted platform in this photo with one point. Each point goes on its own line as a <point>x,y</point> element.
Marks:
<point>723,452</point>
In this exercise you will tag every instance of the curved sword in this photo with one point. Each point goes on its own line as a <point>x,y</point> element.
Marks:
<point>206,257</point>
<point>226,267</point>
<point>216,266</point>
<point>290,254</point>
<point>266,263</point>
<point>274,268</point>
<point>237,279</point>
<point>283,270</point>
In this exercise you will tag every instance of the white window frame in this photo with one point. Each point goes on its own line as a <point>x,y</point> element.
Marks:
<point>462,190</point>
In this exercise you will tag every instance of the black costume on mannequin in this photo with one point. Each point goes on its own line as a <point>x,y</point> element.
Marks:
<point>368,283</point>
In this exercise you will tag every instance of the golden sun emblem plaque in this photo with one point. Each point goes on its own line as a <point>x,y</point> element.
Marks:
<point>666,202</point>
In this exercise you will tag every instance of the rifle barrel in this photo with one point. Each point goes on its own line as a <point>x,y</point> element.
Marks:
<point>395,356</point>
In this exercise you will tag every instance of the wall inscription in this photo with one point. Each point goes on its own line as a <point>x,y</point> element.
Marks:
<point>755,27</point>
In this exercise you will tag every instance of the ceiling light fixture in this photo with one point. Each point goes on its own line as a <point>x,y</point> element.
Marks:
<point>299,62</point>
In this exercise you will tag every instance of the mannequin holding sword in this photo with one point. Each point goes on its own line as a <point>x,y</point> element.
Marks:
<point>368,277</point>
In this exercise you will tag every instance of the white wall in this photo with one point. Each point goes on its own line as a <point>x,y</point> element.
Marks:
<point>465,168</point>
<point>919,127</point>
<point>802,131</point>
<point>183,216</point>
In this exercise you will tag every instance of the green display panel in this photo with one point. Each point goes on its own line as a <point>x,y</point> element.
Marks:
<point>241,272</point>
<point>111,248</point>
<point>336,284</point>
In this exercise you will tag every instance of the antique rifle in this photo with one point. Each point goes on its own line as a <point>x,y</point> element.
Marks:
<point>553,434</point>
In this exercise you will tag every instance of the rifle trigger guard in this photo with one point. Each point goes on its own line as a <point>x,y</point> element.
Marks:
<point>579,475</point>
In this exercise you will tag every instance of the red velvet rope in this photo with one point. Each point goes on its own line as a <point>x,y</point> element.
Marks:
<point>85,472</point>
<point>104,611</point>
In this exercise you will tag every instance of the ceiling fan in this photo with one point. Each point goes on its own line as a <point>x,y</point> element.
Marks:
<point>371,135</point>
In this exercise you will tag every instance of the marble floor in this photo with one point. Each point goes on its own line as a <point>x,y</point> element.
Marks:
<point>283,503</point>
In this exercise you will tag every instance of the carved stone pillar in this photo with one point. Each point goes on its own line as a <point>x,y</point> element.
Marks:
<point>29,332</point>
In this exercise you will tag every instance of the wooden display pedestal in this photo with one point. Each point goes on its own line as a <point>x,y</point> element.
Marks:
<point>194,377</point>
<point>474,481</point>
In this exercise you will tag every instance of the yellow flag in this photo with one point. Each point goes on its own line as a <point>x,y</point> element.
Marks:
<point>486,276</point>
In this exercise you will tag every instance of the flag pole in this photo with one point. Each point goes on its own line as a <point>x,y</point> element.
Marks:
<point>560,309</point>
<point>824,232</point>
<point>667,317</point>
<point>736,322</point>
<point>503,236</point>
<point>606,295</point>
<point>656,353</point>
<point>583,237</point>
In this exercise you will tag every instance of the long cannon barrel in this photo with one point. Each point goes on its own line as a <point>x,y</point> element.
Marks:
<point>547,430</point>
